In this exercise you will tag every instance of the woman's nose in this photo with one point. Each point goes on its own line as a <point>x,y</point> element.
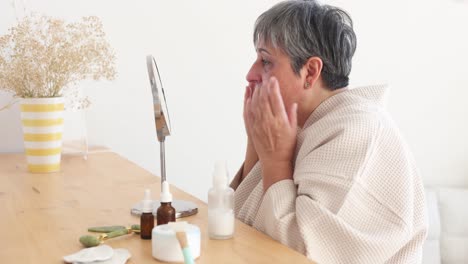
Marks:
<point>254,75</point>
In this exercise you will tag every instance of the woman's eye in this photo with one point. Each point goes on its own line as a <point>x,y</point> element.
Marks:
<point>265,62</point>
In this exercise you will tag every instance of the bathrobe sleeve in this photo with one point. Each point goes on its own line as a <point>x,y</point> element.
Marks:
<point>348,203</point>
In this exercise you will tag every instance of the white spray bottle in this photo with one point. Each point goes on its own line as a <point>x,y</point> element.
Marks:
<point>220,204</point>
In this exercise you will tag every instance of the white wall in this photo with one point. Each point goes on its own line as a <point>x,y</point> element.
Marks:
<point>420,48</point>
<point>204,49</point>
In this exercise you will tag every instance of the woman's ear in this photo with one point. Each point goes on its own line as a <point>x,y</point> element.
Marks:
<point>313,69</point>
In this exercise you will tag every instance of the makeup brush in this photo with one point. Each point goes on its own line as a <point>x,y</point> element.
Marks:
<point>179,228</point>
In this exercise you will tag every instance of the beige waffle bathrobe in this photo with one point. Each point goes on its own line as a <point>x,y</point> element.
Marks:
<point>356,197</point>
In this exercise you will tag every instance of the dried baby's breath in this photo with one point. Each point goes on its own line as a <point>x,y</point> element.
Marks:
<point>43,56</point>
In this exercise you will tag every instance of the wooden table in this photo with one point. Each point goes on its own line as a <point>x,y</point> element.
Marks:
<point>43,215</point>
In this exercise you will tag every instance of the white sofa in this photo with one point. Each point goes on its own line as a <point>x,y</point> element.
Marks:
<point>447,240</point>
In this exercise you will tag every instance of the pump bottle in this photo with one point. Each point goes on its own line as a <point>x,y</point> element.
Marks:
<point>220,204</point>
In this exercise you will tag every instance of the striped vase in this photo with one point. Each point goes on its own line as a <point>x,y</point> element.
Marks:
<point>42,120</point>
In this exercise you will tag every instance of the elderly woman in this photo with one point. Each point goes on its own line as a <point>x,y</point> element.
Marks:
<point>326,171</point>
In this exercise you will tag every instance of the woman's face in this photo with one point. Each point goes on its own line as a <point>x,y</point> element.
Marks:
<point>273,62</point>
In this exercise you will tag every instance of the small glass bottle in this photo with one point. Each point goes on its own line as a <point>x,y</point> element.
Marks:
<point>147,217</point>
<point>220,205</point>
<point>166,213</point>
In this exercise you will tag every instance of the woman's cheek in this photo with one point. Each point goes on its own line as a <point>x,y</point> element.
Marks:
<point>266,76</point>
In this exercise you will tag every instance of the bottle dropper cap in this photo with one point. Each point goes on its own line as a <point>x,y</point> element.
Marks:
<point>166,196</point>
<point>147,203</point>
<point>220,177</point>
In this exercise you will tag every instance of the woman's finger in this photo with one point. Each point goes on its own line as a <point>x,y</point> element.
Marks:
<point>263,101</point>
<point>277,104</point>
<point>246,93</point>
<point>246,97</point>
<point>254,96</point>
<point>248,115</point>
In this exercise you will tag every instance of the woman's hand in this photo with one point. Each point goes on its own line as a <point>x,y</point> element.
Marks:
<point>251,156</point>
<point>247,95</point>
<point>272,130</point>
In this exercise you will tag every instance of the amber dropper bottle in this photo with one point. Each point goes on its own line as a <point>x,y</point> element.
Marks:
<point>147,217</point>
<point>166,213</point>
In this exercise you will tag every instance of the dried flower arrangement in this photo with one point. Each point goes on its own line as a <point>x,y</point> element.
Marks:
<point>43,56</point>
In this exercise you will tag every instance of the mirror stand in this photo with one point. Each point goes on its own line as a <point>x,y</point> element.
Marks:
<point>163,129</point>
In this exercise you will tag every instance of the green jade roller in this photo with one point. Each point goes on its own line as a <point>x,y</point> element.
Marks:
<point>108,232</point>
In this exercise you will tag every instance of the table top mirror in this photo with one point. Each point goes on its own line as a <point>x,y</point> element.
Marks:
<point>163,129</point>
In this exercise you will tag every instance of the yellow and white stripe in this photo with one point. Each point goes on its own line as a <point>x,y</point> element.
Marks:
<point>42,120</point>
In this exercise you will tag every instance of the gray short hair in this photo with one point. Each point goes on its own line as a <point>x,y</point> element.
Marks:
<point>304,29</point>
